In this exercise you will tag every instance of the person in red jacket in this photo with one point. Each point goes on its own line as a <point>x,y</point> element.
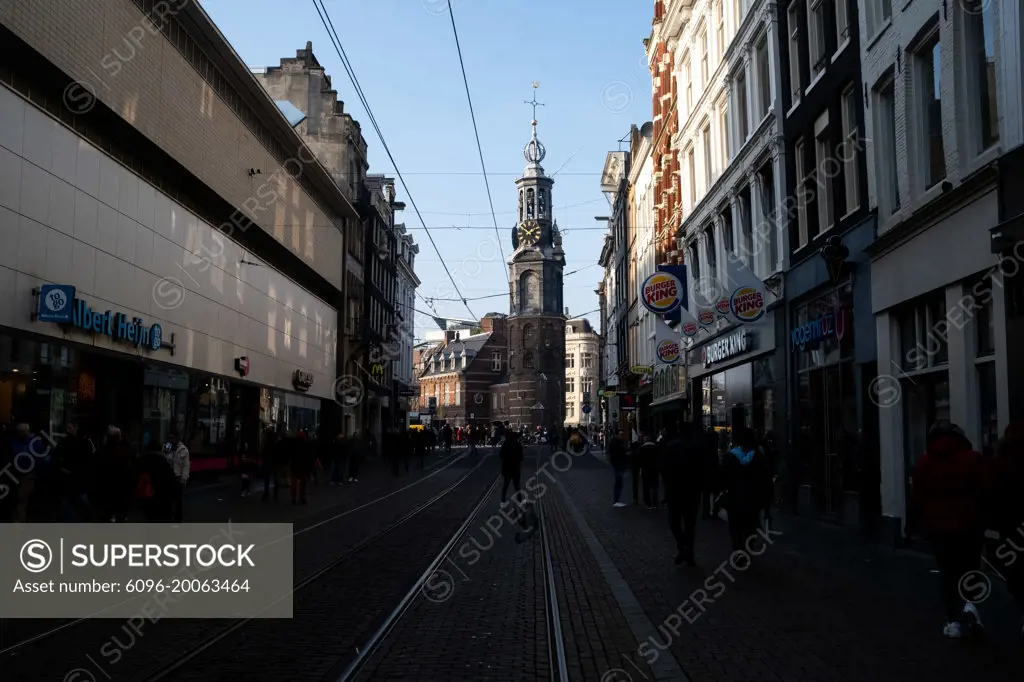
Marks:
<point>949,488</point>
<point>1008,516</point>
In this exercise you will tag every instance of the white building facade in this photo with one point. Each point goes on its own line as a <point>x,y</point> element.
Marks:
<point>582,374</point>
<point>944,98</point>
<point>405,305</point>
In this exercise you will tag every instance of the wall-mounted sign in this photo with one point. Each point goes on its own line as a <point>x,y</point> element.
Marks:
<point>377,369</point>
<point>747,304</point>
<point>57,303</point>
<point>608,393</point>
<point>828,324</point>
<point>669,352</point>
<point>627,402</point>
<point>690,328</point>
<point>586,408</point>
<point>706,317</point>
<point>662,293</point>
<point>242,366</point>
<point>736,343</point>
<point>302,380</point>
<point>641,369</point>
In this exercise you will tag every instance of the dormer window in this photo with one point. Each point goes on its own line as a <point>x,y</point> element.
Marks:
<point>465,361</point>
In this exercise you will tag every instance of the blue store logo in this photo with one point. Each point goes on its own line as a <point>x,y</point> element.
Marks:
<point>55,303</point>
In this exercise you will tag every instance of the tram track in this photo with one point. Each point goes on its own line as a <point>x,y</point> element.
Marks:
<point>361,667</point>
<point>197,636</point>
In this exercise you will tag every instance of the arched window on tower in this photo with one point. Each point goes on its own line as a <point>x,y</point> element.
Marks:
<point>529,203</point>
<point>520,205</point>
<point>542,203</point>
<point>527,360</point>
<point>527,336</point>
<point>529,292</point>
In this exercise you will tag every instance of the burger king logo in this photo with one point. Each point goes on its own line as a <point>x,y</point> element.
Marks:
<point>662,293</point>
<point>706,317</point>
<point>690,328</point>
<point>668,352</point>
<point>723,305</point>
<point>747,304</point>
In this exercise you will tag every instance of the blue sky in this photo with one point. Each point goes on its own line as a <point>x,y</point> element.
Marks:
<point>589,60</point>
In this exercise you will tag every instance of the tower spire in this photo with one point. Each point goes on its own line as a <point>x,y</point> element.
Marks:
<point>534,151</point>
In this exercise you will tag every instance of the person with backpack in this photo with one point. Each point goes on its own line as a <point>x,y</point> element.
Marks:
<point>742,479</point>
<point>949,489</point>
<point>511,455</point>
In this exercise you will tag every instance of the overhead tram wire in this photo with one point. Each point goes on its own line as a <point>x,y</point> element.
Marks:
<point>325,18</point>
<point>476,133</point>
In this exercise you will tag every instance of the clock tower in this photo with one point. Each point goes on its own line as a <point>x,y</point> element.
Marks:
<point>536,320</point>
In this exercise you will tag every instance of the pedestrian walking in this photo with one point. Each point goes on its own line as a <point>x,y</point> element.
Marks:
<point>301,462</point>
<point>1008,511</point>
<point>115,470</point>
<point>24,446</point>
<point>156,488</point>
<point>74,466</point>
<point>619,459</point>
<point>741,472</point>
<point>419,443</point>
<point>356,453</point>
<point>446,438</point>
<point>712,472</point>
<point>181,466</point>
<point>949,488</point>
<point>338,458</point>
<point>511,455</point>
<point>681,455</point>
<point>648,456</point>
<point>635,470</point>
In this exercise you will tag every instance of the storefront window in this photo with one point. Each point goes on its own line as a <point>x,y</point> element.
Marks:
<point>208,416</point>
<point>989,413</point>
<point>164,406</point>
<point>38,384</point>
<point>923,331</point>
<point>925,401</point>
<point>289,413</point>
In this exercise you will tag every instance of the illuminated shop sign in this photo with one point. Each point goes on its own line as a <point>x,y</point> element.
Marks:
<point>727,347</point>
<point>831,323</point>
<point>58,303</point>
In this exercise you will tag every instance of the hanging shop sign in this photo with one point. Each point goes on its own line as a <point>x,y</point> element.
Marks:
<point>302,380</point>
<point>662,293</point>
<point>730,346</point>
<point>669,352</point>
<point>58,303</point>
<point>641,370</point>
<point>690,328</point>
<point>828,324</point>
<point>747,304</point>
<point>242,366</point>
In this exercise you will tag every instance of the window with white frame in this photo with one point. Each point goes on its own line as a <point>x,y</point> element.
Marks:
<point>710,249</point>
<point>705,134</point>
<point>796,53</point>
<point>688,77</point>
<point>928,72</point>
<point>726,221</point>
<point>764,79</point>
<point>458,394</point>
<point>878,12</point>
<point>850,153</point>
<point>800,159</point>
<point>570,410</point>
<point>704,57</point>
<point>570,385</point>
<point>691,168</point>
<point>816,36</point>
<point>570,360</point>
<point>446,399</point>
<point>586,360</point>
<point>746,226</point>
<point>723,134</point>
<point>924,333</point>
<point>979,33</point>
<point>720,27</point>
<point>494,401</point>
<point>822,156</point>
<point>741,106</point>
<point>842,24</point>
<point>587,386</point>
<point>694,261</point>
<point>886,157</point>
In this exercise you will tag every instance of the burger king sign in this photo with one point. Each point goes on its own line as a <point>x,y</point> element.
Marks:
<point>662,293</point>
<point>747,304</point>
<point>668,352</point>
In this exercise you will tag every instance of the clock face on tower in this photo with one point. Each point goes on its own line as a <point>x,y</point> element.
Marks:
<point>529,232</point>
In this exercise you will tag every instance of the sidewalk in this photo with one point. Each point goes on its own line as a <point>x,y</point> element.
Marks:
<point>818,604</point>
